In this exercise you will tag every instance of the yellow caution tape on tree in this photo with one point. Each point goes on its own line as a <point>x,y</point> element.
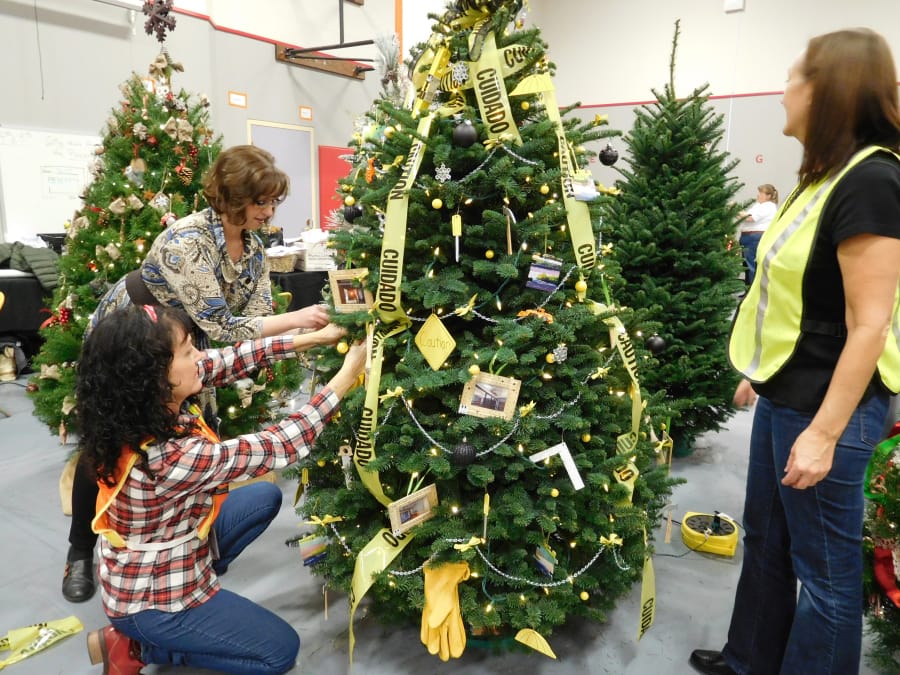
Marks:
<point>577,213</point>
<point>372,560</point>
<point>490,90</point>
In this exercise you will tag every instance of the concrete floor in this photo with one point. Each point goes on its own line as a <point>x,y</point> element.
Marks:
<point>694,592</point>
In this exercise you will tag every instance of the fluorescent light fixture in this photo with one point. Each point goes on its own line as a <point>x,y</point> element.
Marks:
<point>134,5</point>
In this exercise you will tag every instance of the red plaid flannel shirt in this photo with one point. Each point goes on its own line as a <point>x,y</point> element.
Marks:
<point>188,470</point>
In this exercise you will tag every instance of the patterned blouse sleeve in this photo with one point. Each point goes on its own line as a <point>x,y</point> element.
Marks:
<point>190,272</point>
<point>260,302</point>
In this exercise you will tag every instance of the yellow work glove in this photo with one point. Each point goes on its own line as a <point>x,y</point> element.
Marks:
<point>443,631</point>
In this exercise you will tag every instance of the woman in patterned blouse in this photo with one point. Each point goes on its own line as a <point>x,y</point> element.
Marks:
<point>213,265</point>
<point>161,470</point>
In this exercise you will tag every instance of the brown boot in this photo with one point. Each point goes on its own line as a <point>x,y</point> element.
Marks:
<point>119,654</point>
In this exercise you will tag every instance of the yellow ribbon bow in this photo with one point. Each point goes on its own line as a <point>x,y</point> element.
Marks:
<point>527,408</point>
<point>322,522</point>
<point>472,543</point>
<point>502,139</point>
<point>391,393</point>
<point>612,540</point>
<point>467,308</point>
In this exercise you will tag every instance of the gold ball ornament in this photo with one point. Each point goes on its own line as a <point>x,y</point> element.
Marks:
<point>389,131</point>
<point>581,286</point>
<point>585,438</point>
<point>545,189</point>
<point>584,595</point>
<point>489,254</point>
<point>346,188</point>
<point>549,358</point>
<point>349,200</point>
<point>342,347</point>
<point>525,105</point>
<point>554,493</point>
<point>474,370</point>
<point>436,203</point>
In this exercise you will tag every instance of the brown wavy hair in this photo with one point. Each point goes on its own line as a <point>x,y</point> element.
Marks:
<point>240,175</point>
<point>854,100</point>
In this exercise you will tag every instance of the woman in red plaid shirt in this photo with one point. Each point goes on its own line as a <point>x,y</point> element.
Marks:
<point>169,531</point>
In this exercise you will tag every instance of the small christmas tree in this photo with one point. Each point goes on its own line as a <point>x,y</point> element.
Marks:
<point>881,545</point>
<point>156,146</point>
<point>673,228</point>
<point>501,426</point>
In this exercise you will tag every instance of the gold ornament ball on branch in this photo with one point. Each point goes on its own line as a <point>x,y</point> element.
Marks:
<point>584,595</point>
<point>436,203</point>
<point>349,200</point>
<point>585,438</point>
<point>549,358</point>
<point>474,370</point>
<point>545,189</point>
<point>342,347</point>
<point>554,493</point>
<point>525,105</point>
<point>489,254</point>
<point>581,286</point>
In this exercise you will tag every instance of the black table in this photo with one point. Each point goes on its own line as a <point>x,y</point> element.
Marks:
<point>305,287</point>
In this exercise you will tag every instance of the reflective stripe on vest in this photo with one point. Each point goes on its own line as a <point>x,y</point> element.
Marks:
<point>106,496</point>
<point>769,321</point>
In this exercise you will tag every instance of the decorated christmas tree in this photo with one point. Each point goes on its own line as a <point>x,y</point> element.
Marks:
<point>501,453</point>
<point>157,143</point>
<point>673,228</point>
<point>882,554</point>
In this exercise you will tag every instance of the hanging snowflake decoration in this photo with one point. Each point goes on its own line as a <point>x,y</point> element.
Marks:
<point>560,354</point>
<point>158,19</point>
<point>459,73</point>
<point>442,173</point>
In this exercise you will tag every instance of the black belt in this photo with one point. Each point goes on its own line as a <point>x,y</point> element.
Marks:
<point>835,330</point>
<point>137,289</point>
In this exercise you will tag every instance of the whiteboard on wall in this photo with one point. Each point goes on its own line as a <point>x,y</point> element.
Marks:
<point>292,147</point>
<point>42,175</point>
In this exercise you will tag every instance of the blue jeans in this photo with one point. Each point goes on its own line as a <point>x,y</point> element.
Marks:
<point>813,536</point>
<point>227,633</point>
<point>749,244</point>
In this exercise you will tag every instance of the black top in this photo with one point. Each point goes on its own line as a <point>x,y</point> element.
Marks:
<point>865,201</point>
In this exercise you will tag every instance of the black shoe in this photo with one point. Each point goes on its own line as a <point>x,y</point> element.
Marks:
<point>710,662</point>
<point>78,580</point>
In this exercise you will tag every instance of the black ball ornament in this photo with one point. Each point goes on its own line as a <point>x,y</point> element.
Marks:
<point>656,344</point>
<point>608,155</point>
<point>464,134</point>
<point>352,212</point>
<point>463,454</point>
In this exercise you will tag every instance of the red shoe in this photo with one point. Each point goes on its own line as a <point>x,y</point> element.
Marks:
<point>120,654</point>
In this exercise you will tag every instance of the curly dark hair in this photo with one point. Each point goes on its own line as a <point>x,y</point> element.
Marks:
<point>239,176</point>
<point>122,385</point>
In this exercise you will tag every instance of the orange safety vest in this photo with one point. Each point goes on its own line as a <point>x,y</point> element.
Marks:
<point>106,496</point>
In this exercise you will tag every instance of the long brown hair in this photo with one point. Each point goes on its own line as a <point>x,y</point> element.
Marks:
<point>240,175</point>
<point>854,100</point>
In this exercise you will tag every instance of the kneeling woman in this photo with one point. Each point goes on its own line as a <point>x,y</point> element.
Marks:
<point>163,475</point>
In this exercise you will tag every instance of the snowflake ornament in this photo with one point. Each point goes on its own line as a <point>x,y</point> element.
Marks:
<point>442,173</point>
<point>459,73</point>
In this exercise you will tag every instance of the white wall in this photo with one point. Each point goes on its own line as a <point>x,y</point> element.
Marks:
<point>612,53</point>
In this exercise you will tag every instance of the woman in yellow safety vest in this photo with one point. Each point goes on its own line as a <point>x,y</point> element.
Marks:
<point>817,337</point>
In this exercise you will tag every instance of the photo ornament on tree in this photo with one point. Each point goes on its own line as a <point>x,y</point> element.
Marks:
<point>407,512</point>
<point>487,395</point>
<point>348,291</point>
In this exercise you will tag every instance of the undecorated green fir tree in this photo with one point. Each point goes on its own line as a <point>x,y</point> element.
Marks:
<point>672,229</point>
